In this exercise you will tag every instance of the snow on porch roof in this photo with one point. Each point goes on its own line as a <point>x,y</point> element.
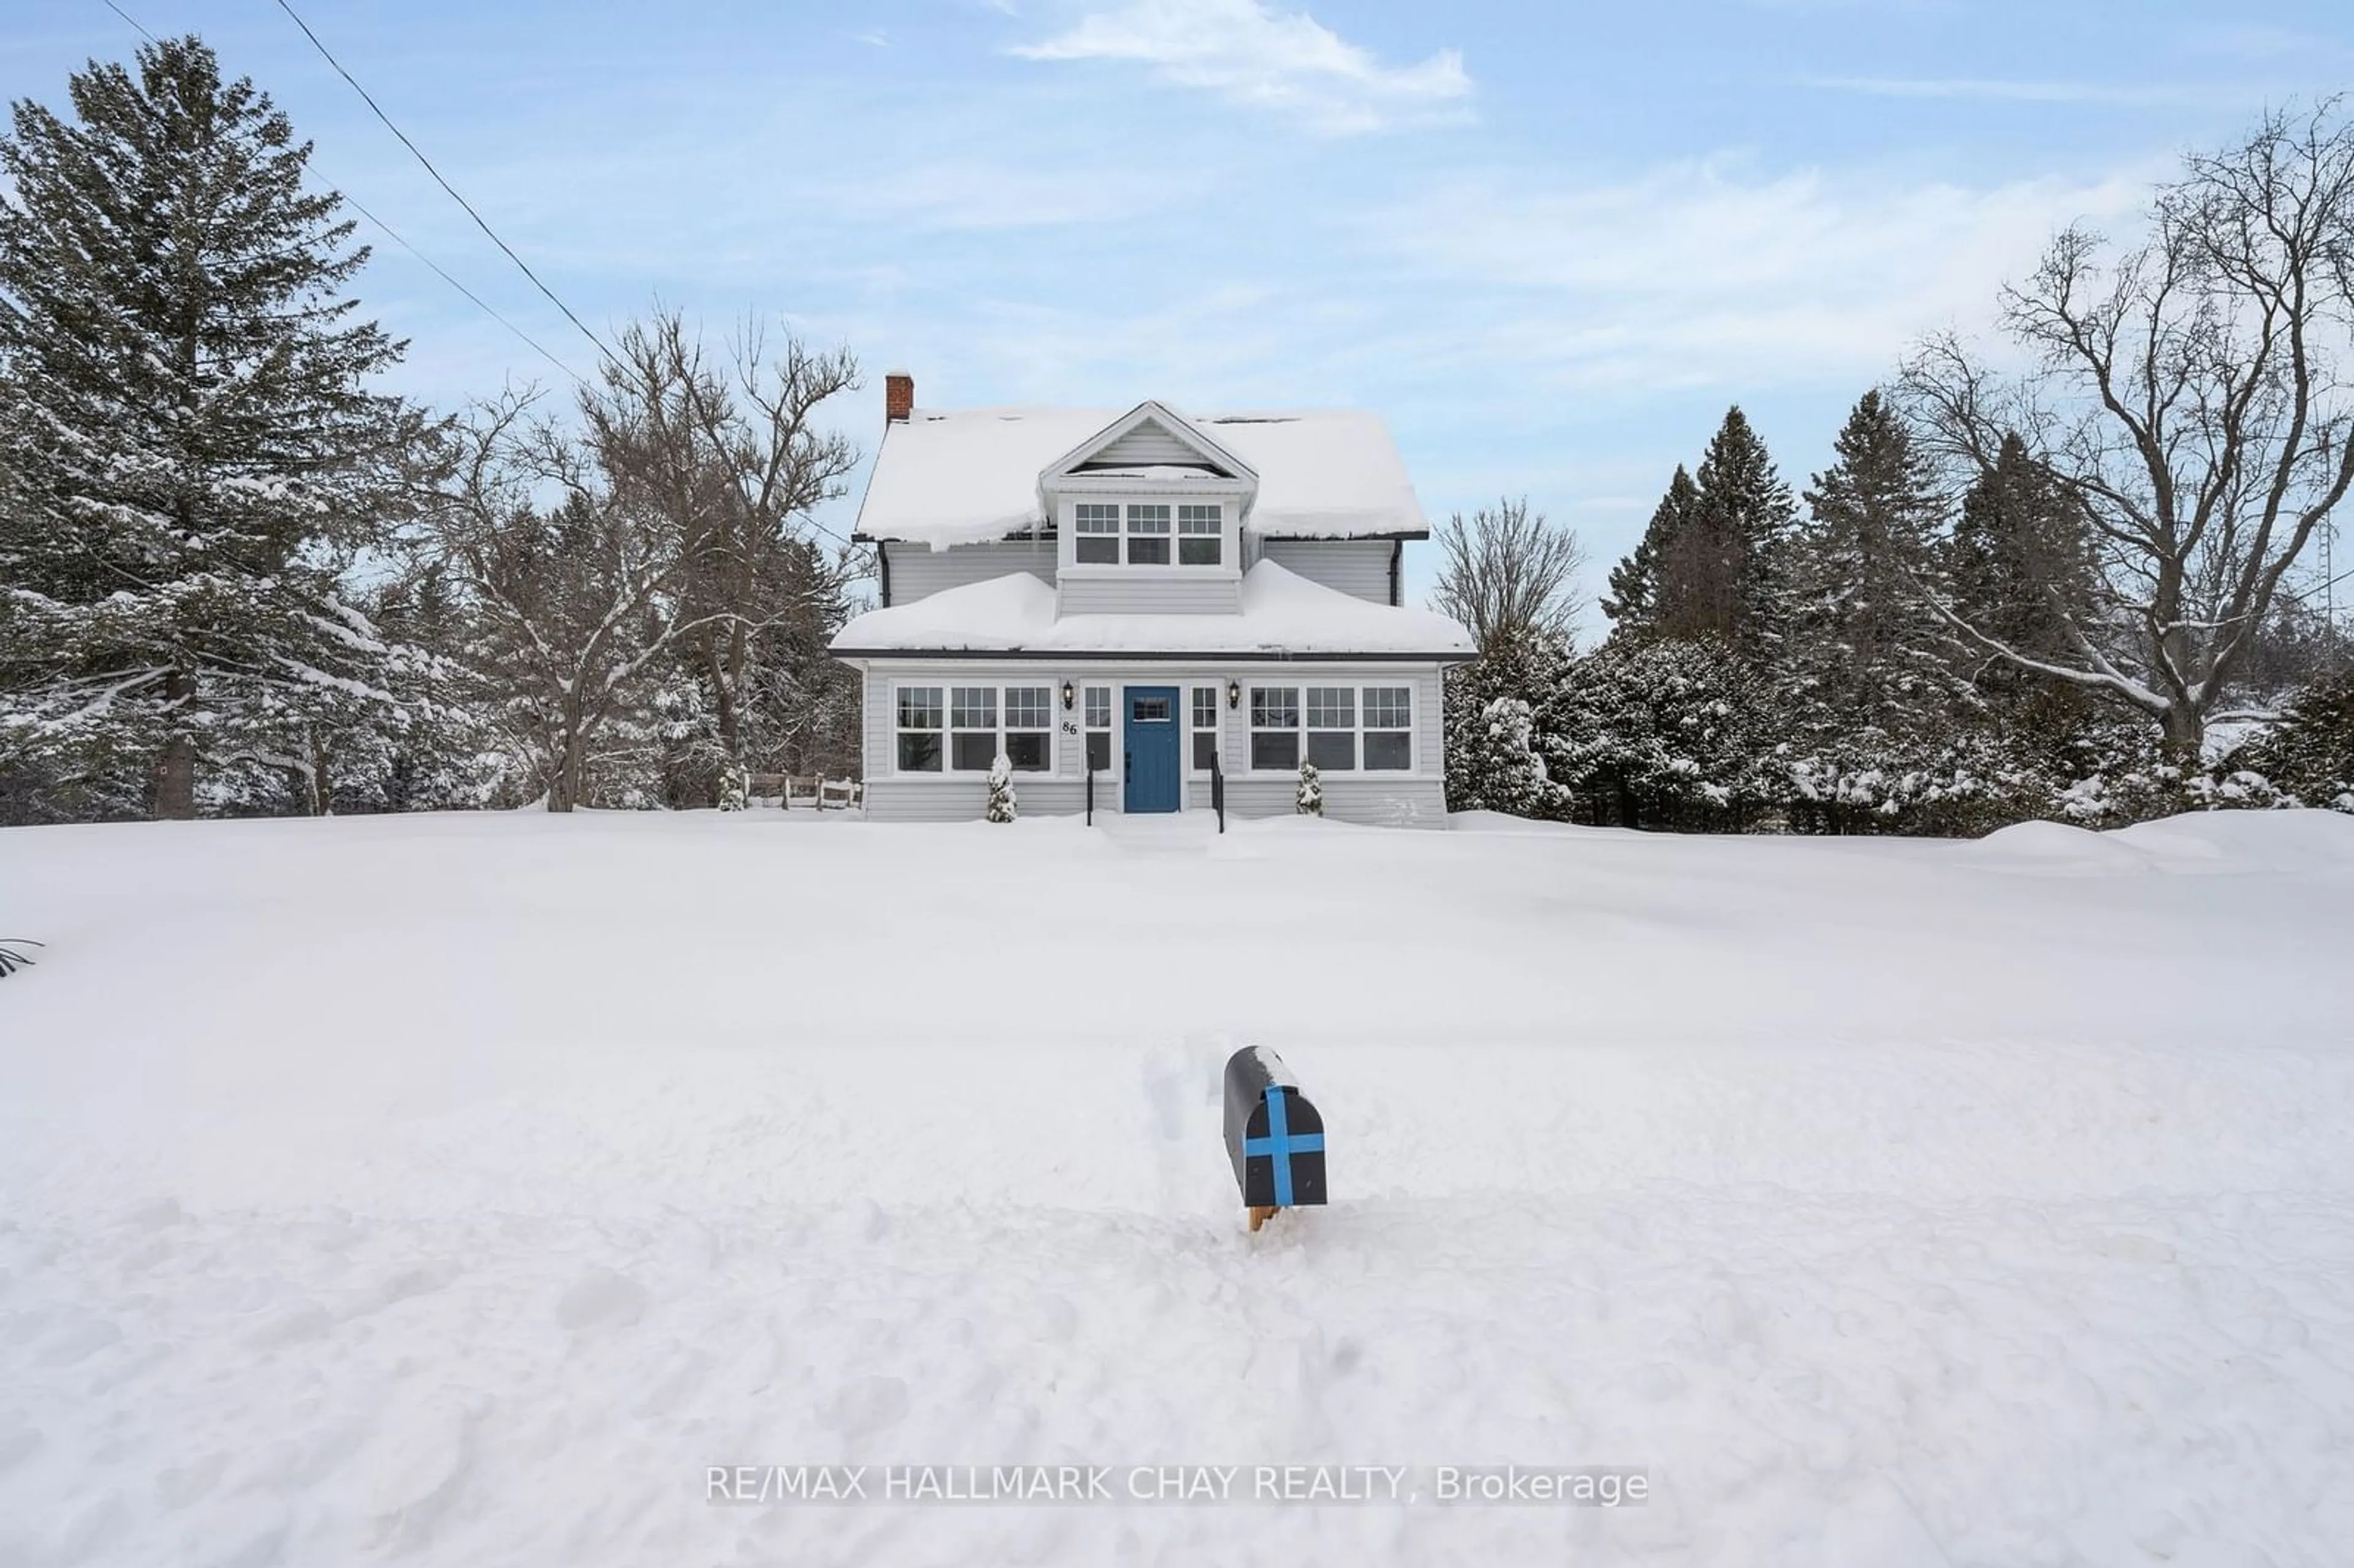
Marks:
<point>970,475</point>
<point>1283,615</point>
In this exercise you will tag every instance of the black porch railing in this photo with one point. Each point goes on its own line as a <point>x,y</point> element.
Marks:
<point>1218,790</point>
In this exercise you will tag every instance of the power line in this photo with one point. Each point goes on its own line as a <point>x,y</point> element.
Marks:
<point>133,20</point>
<point>395,235</point>
<point>398,239</point>
<point>480,223</point>
<point>326,54</point>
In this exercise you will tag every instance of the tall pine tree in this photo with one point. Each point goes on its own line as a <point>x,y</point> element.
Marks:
<point>1712,565</point>
<point>1633,602</point>
<point>2020,570</point>
<point>188,452</point>
<point>1724,575</point>
<point>1868,649</point>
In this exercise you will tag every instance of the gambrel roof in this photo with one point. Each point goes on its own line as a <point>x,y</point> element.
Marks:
<point>968,476</point>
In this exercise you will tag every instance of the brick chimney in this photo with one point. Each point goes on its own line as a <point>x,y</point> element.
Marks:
<point>898,397</point>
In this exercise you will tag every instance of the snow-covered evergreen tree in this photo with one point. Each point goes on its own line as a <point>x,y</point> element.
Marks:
<point>1633,601</point>
<point>732,795</point>
<point>2309,755</point>
<point>1493,765</point>
<point>1724,573</point>
<point>436,750</point>
<point>1868,691</point>
<point>1866,635</point>
<point>2020,567</point>
<point>1001,803</point>
<point>1309,799</point>
<point>1666,734</point>
<point>1500,709</point>
<point>188,453</point>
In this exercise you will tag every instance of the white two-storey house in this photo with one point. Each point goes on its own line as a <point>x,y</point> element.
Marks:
<point>1130,606</point>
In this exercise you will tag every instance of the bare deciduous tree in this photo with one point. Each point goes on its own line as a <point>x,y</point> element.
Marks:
<point>670,529</point>
<point>2191,393</point>
<point>729,451</point>
<point>1508,574</point>
<point>573,601</point>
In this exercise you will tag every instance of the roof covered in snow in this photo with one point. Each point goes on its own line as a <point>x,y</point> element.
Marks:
<point>967,476</point>
<point>1283,616</point>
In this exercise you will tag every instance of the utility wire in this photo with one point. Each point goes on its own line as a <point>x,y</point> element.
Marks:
<point>405,245</point>
<point>328,56</point>
<point>613,358</point>
<point>133,20</point>
<point>479,222</point>
<point>398,239</point>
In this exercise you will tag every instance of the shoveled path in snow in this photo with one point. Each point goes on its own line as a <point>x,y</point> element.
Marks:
<point>460,1189</point>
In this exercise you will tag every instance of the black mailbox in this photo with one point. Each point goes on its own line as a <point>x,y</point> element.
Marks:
<point>1273,1135</point>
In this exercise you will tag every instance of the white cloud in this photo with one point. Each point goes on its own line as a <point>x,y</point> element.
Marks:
<point>1701,273</point>
<point>1252,54</point>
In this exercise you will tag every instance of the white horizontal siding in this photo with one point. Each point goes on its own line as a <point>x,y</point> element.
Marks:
<point>1385,803</point>
<point>1148,591</point>
<point>1360,567</point>
<point>1150,444</point>
<point>967,799</point>
<point>918,573</point>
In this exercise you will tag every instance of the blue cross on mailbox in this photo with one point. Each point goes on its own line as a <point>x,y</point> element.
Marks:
<point>1281,1143</point>
<point>1273,1135</point>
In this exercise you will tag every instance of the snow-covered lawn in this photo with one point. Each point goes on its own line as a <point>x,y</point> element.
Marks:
<point>461,1190</point>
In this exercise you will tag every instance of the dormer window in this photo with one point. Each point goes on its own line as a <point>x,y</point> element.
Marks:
<point>1147,534</point>
<point>1098,527</point>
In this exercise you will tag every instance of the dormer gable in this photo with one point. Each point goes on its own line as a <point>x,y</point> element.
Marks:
<point>1151,441</point>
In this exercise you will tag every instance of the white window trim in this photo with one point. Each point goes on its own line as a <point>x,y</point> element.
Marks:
<point>1110,769</point>
<point>948,772</point>
<point>1234,731</point>
<point>1217,691</point>
<point>1357,688</point>
<point>1229,535</point>
<point>1118,535</point>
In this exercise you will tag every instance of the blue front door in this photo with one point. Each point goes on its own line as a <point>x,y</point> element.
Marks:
<point>1149,738</point>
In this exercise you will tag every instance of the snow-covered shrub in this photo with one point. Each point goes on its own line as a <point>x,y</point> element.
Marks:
<point>2308,757</point>
<point>1310,800</point>
<point>1493,763</point>
<point>1001,789</point>
<point>1499,717</point>
<point>731,789</point>
<point>1667,734</point>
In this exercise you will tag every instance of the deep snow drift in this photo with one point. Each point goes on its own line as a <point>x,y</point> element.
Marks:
<point>460,1190</point>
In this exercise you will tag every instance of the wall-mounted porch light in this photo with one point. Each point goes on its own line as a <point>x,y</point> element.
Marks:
<point>1234,693</point>
<point>1069,696</point>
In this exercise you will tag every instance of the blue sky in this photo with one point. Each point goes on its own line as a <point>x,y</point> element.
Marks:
<point>1550,243</point>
